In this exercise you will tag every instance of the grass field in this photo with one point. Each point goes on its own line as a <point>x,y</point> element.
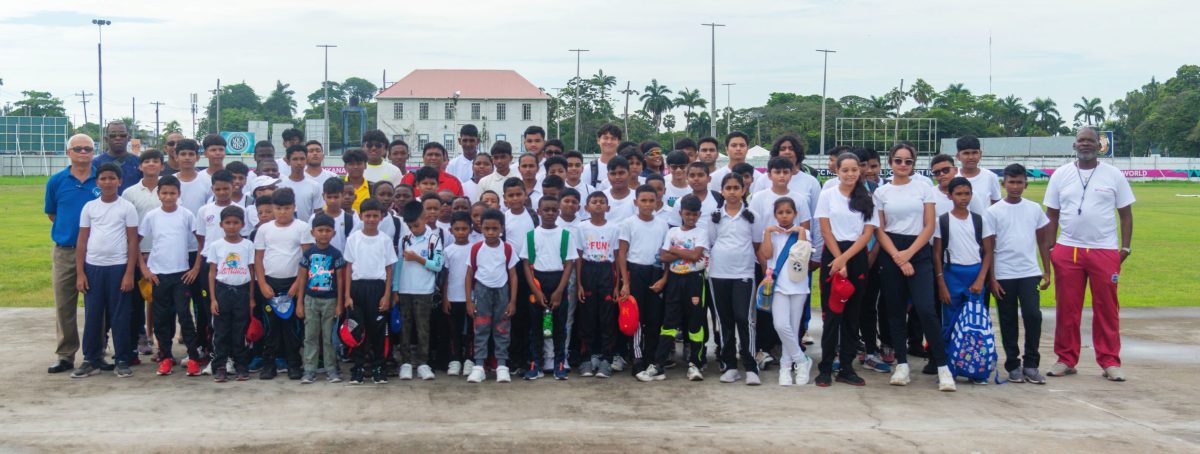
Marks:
<point>1158,274</point>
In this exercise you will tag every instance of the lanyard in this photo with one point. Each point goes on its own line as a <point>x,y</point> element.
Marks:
<point>1084,183</point>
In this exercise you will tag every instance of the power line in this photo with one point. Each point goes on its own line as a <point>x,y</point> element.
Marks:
<point>83,100</point>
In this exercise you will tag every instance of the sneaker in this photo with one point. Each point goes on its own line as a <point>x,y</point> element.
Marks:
<point>123,370</point>
<point>406,371</point>
<point>806,340</point>
<point>243,375</point>
<point>900,377</point>
<point>982,382</point>
<point>356,376</point>
<point>143,345</point>
<point>1061,370</point>
<point>763,359</point>
<point>425,372</point>
<point>193,368</point>
<point>651,374</point>
<point>824,379</point>
<point>669,363</point>
<point>308,378</point>
<point>875,363</point>
<point>618,363</point>
<point>605,370</point>
<point>207,370</point>
<point>752,379</point>
<point>787,375</point>
<point>281,365</point>
<point>476,375</point>
<point>802,371</point>
<point>467,366</point>
<point>1113,373</point>
<point>379,376</point>
<point>534,373</point>
<point>588,368</point>
<point>106,366</point>
<point>693,373</point>
<point>560,371</point>
<point>60,367</point>
<point>455,368</point>
<point>887,354</point>
<point>929,368</point>
<point>295,373</point>
<point>945,380</point>
<point>268,372</point>
<point>849,377</point>
<point>165,366</point>
<point>730,376</point>
<point>332,376</point>
<point>256,364</point>
<point>230,368</point>
<point>1032,375</point>
<point>502,375</point>
<point>221,376</point>
<point>1016,376</point>
<point>85,369</point>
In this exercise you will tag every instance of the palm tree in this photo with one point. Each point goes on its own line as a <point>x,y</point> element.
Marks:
<point>603,82</point>
<point>1089,109</point>
<point>655,101</point>
<point>923,93</point>
<point>280,101</point>
<point>700,124</point>
<point>1045,114</point>
<point>1012,113</point>
<point>879,105</point>
<point>689,99</point>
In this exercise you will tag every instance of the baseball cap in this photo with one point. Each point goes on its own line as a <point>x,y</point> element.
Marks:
<point>395,323</point>
<point>797,261</point>
<point>351,332</point>
<point>840,290</point>
<point>262,181</point>
<point>254,331</point>
<point>283,305</point>
<point>627,318</point>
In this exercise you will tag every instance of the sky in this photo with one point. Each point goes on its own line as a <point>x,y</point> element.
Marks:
<point>165,50</point>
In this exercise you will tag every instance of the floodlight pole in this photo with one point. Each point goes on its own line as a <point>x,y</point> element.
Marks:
<point>578,82</point>
<point>728,104</point>
<point>325,85</point>
<point>824,81</point>
<point>100,23</point>
<point>712,110</point>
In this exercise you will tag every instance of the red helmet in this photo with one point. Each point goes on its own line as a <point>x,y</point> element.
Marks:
<point>254,331</point>
<point>351,332</point>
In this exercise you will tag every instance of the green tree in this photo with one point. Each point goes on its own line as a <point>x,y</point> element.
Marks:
<point>689,99</point>
<point>279,103</point>
<point>1090,110</point>
<point>923,93</point>
<point>359,88</point>
<point>1012,114</point>
<point>1045,115</point>
<point>171,126</point>
<point>39,104</point>
<point>603,83</point>
<point>656,101</point>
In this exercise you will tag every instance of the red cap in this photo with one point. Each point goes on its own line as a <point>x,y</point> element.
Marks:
<point>254,332</point>
<point>840,290</point>
<point>627,318</point>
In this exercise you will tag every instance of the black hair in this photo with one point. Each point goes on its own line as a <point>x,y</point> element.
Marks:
<point>618,162</point>
<point>373,135</point>
<point>940,158</point>
<point>264,144</point>
<point>569,192</point>
<point>233,211</point>
<point>460,216</point>
<point>554,143</point>
<point>534,130</point>
<point>187,144</point>
<point>412,211</point>
<point>109,167</point>
<point>548,198</point>
<point>677,158</point>
<point>689,203</point>
<point>863,154</point>
<point>698,165</point>
<point>261,200</point>
<point>513,182</point>
<point>333,186</point>
<point>213,139</point>
<point>645,188</point>
<point>737,134</point>
<point>433,145</point>
<point>354,156</point>
<point>555,160</point>
<point>783,201</point>
<point>292,133</point>
<point>526,155</point>
<point>956,182</point>
<point>745,167</point>
<point>656,177</point>
<point>746,214</point>
<point>1014,170</point>
<point>685,143</point>
<point>860,199</point>
<point>492,214</point>
<point>283,196</point>
<point>324,220</point>
<point>373,188</point>
<point>835,151</point>
<point>425,173</point>
<point>609,128</point>
<point>430,196</point>
<point>648,145</point>
<point>712,140</point>
<point>398,142</point>
<point>269,162</point>
<point>501,147</point>
<point>235,167</point>
<point>404,186</point>
<point>483,155</point>
<point>151,155</point>
<point>599,195</point>
<point>797,146</point>
<point>371,204</point>
<point>222,175</point>
<point>168,180</point>
<point>779,163</point>
<point>903,146</point>
<point>293,150</point>
<point>967,143</point>
<point>631,153</point>
<point>469,130</point>
<point>626,144</point>
<point>314,142</point>
<point>572,154</point>
<point>553,181</point>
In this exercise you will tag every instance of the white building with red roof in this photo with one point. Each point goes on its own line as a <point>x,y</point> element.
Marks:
<point>431,105</point>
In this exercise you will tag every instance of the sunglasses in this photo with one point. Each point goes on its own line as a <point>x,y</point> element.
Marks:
<point>678,166</point>
<point>901,161</point>
<point>81,149</point>
<point>117,135</point>
<point>941,171</point>
<point>374,145</point>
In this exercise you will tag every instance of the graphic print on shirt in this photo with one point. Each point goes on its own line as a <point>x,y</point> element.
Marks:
<point>233,262</point>
<point>320,273</point>
<point>682,266</point>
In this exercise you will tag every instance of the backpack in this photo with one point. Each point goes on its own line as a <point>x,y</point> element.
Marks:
<point>595,173</point>
<point>766,290</point>
<point>562,249</point>
<point>347,221</point>
<point>475,253</point>
<point>971,351</point>
<point>396,233</point>
<point>944,224</point>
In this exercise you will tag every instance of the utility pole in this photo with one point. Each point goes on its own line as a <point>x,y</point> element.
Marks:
<point>83,100</point>
<point>194,101</point>
<point>156,105</point>
<point>217,94</point>
<point>728,105</point>
<point>899,100</point>
<point>627,92</point>
<point>133,109</point>
<point>712,111</point>
<point>578,82</point>
<point>824,80</point>
<point>100,23</point>
<point>325,85</point>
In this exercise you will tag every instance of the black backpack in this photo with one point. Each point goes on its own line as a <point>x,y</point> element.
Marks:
<point>595,173</point>
<point>944,224</point>
<point>347,221</point>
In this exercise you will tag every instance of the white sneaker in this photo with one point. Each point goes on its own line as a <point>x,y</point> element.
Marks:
<point>787,375</point>
<point>454,368</point>
<point>730,376</point>
<point>229,367</point>
<point>900,377</point>
<point>946,380</point>
<point>752,379</point>
<point>207,369</point>
<point>802,371</point>
<point>651,374</point>
<point>502,375</point>
<point>468,365</point>
<point>618,363</point>
<point>477,375</point>
<point>425,372</point>
<point>406,371</point>
<point>693,373</point>
<point>763,359</point>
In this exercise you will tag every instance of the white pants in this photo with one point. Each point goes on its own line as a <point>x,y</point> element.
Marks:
<point>786,312</point>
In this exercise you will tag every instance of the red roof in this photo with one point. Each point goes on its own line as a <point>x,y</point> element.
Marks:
<point>470,83</point>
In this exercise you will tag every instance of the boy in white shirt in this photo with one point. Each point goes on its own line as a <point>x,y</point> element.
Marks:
<point>548,255</point>
<point>641,272</point>
<point>308,192</point>
<point>985,185</point>
<point>490,279</point>
<point>368,291</point>
<point>518,221</point>
<point>419,262</point>
<point>574,177</point>
<point>620,195</point>
<point>597,241</point>
<point>962,255</point>
<point>168,268</point>
<point>454,295</point>
<point>278,247</point>
<point>208,228</point>
<point>144,199</point>
<point>107,241</point>
<point>230,258</point>
<point>332,192</point>
<point>677,186</point>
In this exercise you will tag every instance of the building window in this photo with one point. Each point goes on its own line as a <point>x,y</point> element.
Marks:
<point>398,111</point>
<point>526,111</point>
<point>501,112</point>
<point>500,137</point>
<point>449,111</point>
<point>422,139</point>
<point>475,109</point>
<point>403,137</point>
<point>424,114</point>
<point>449,138</point>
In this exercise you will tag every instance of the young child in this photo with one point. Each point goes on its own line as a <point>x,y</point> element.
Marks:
<point>620,197</point>
<point>419,262</point>
<point>230,259</point>
<point>278,247</point>
<point>501,153</point>
<point>962,255</point>
<point>443,215</point>
<point>985,185</point>
<point>238,195</point>
<point>641,274</point>
<point>107,241</point>
<point>569,218</point>
<point>491,200</point>
<point>731,276</point>
<point>547,255</point>
<point>527,167</point>
<point>553,184</point>
<point>425,181</point>
<point>491,273</point>
<point>683,249</point>
<point>195,188</point>
<point>788,295</point>
<point>144,198</point>
<point>637,164</point>
<point>476,234</point>
<point>322,269</point>
<point>698,179</point>
<point>369,266</point>
<point>574,178</point>
<point>662,210</point>
<point>355,163</point>
<point>519,221</point>
<point>1021,228</point>
<point>168,268</point>
<point>332,191</point>
<point>307,191</point>
<point>403,195</point>
<point>454,296</point>
<point>557,166</point>
<point>677,164</point>
<point>597,241</point>
<point>208,228</point>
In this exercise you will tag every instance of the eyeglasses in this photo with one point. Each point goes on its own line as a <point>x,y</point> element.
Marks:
<point>941,171</point>
<point>81,149</point>
<point>901,161</point>
<point>117,135</point>
<point>677,166</point>
<point>374,145</point>
<point>655,152</point>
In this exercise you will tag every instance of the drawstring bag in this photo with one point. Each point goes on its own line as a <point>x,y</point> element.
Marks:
<point>971,352</point>
<point>765,292</point>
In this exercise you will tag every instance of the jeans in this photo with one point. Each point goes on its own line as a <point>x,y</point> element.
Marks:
<point>105,306</point>
<point>171,299</point>
<point>840,333</point>
<point>318,333</point>
<point>1020,293</point>
<point>415,311</point>
<point>732,299</point>
<point>899,289</point>
<point>229,325</point>
<point>490,322</point>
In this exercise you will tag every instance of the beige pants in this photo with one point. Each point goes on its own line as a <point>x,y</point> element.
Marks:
<point>66,303</point>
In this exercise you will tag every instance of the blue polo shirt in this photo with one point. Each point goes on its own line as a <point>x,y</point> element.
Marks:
<point>65,197</point>
<point>131,172</point>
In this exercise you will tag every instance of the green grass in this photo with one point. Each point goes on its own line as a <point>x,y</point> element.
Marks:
<point>1159,273</point>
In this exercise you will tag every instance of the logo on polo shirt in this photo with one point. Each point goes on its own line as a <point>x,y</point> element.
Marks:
<point>96,191</point>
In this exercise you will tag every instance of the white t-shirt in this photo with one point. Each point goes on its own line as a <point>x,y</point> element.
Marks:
<point>783,282</point>
<point>645,238</point>
<point>208,222</point>
<point>387,226</point>
<point>339,228</point>
<point>1088,221</point>
<point>415,278</point>
<point>708,206</point>
<point>1016,225</point>
<point>308,196</point>
<point>370,255</point>
<point>281,246</point>
<point>732,254</point>
<point>942,202</point>
<point>693,239</point>
<point>384,171</point>
<point>516,226</point>
<point>320,178</point>
<point>490,268</point>
<point>108,240</point>
<point>963,248</point>
<point>620,209</point>
<point>584,190</point>
<point>762,204</point>
<point>714,178</point>
<point>143,199</point>
<point>673,194</point>
<point>167,231</point>
<point>463,169</point>
<point>597,243</point>
<point>470,190</point>
<point>495,182</point>
<point>194,194</point>
<point>457,257</point>
<point>985,188</point>
<point>233,260</point>
<point>904,206</point>
<point>601,169</point>
<point>547,244</point>
<point>801,182</point>
<point>846,224</point>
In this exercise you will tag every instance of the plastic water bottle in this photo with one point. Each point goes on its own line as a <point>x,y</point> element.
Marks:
<point>547,323</point>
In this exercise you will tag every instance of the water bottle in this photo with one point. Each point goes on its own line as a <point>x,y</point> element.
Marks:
<point>547,323</point>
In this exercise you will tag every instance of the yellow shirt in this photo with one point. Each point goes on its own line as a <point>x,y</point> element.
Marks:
<point>361,193</point>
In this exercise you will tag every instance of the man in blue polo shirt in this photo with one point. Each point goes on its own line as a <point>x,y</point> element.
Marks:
<point>66,193</point>
<point>116,140</point>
